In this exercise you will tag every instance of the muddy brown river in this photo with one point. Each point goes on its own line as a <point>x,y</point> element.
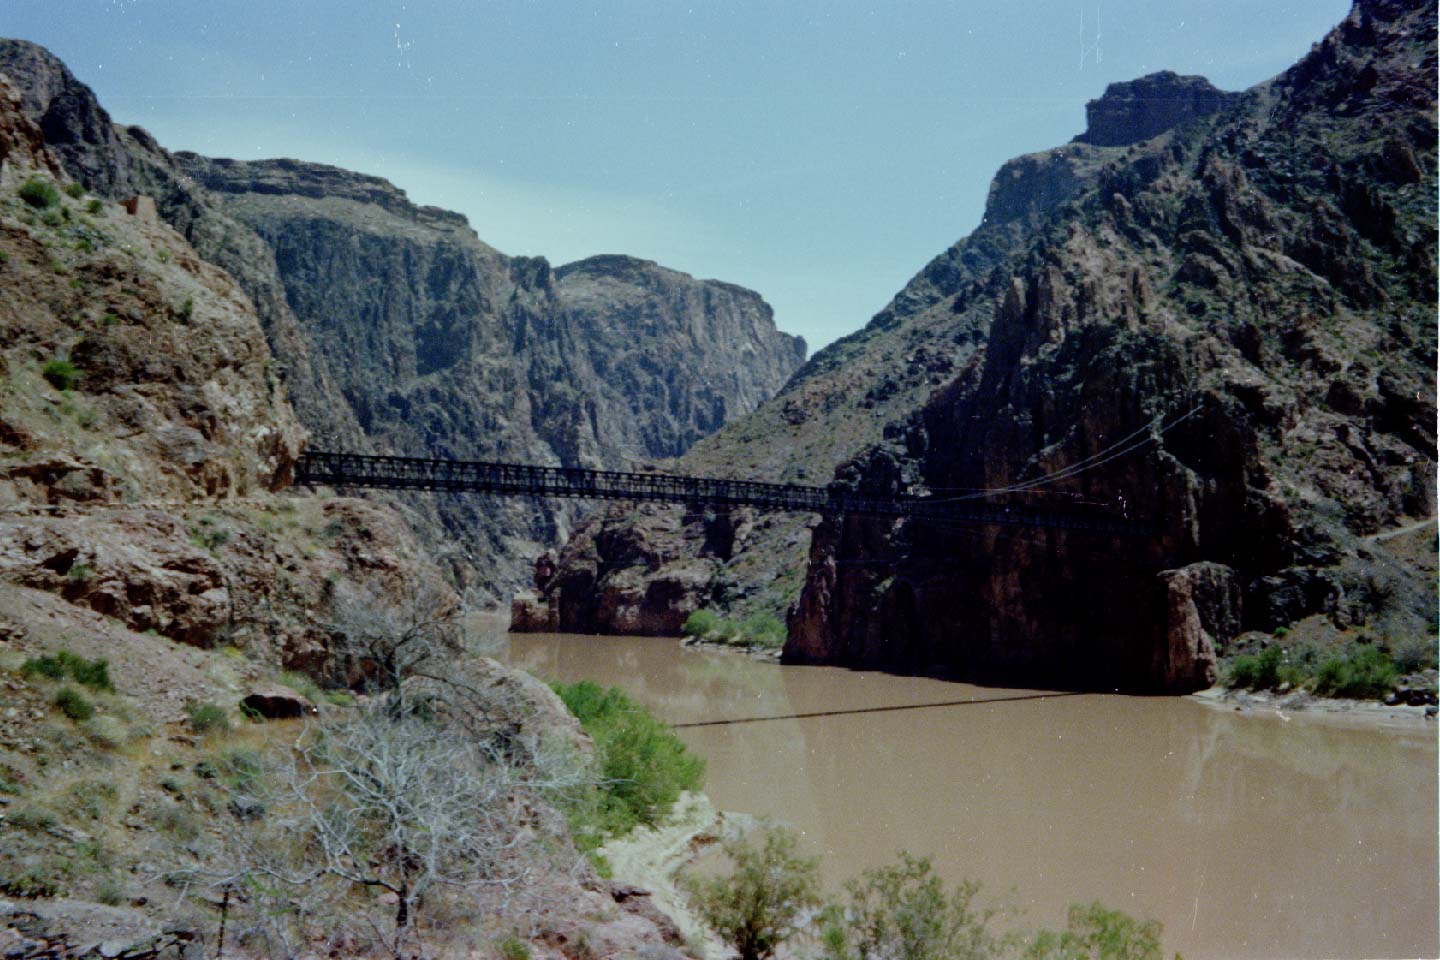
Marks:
<point>1247,835</point>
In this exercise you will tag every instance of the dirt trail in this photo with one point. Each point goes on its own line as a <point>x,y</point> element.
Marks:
<point>1399,531</point>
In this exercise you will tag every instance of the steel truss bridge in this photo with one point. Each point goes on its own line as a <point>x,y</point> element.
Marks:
<point>319,468</point>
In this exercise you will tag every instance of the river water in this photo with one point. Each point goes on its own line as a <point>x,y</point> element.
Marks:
<point>1247,835</point>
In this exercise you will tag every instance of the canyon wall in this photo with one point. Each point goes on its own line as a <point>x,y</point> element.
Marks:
<point>1228,336</point>
<point>397,330</point>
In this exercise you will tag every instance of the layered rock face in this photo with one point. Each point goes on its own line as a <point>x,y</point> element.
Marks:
<point>399,331</point>
<point>144,428</point>
<point>1228,334</point>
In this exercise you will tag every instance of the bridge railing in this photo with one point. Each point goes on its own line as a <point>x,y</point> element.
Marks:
<point>482,476</point>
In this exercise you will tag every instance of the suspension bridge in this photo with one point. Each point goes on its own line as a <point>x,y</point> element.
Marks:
<point>321,468</point>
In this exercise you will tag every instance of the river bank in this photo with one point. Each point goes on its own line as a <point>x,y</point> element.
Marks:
<point>1370,714</point>
<point>653,857</point>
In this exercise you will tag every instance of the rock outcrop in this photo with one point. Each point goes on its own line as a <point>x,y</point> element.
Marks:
<point>397,330</point>
<point>1242,284</point>
<point>1139,109</point>
<point>1210,339</point>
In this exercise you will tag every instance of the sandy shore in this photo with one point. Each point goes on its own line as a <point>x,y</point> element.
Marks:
<point>1359,713</point>
<point>652,857</point>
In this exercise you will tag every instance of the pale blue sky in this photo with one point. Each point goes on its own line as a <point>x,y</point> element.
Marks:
<point>819,152</point>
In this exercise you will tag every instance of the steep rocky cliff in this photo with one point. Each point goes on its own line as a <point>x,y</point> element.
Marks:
<point>156,583</point>
<point>662,563</point>
<point>1229,334</point>
<point>143,431</point>
<point>1263,262</point>
<point>399,331</point>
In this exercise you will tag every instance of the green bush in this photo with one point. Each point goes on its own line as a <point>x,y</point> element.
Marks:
<point>48,667</point>
<point>763,630</point>
<point>1359,672</point>
<point>61,374</point>
<point>756,630</point>
<point>94,206</point>
<point>762,903</point>
<point>1257,672</point>
<point>73,704</point>
<point>39,193</point>
<point>1095,933</point>
<point>74,191</point>
<point>94,674</point>
<point>905,911</point>
<point>700,624</point>
<point>513,948</point>
<point>208,718</point>
<point>643,765</point>
<point>29,886</point>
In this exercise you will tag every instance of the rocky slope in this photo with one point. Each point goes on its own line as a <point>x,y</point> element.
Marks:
<point>1264,261</point>
<point>399,331</point>
<point>144,436</point>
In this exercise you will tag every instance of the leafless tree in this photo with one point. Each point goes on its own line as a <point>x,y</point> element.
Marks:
<point>391,803</point>
<point>388,634</point>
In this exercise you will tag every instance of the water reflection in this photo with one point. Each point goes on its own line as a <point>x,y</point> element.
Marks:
<point>1247,835</point>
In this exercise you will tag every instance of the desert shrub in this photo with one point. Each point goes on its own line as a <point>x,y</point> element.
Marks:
<point>762,903</point>
<point>904,911</point>
<point>94,206</point>
<point>61,374</point>
<point>208,718</point>
<point>29,886</point>
<point>49,667</point>
<point>763,630</point>
<point>1413,653</point>
<point>105,732</point>
<point>74,191</point>
<point>176,821</point>
<point>643,765</point>
<point>94,674</point>
<point>39,193</point>
<point>1257,671</point>
<point>238,769</point>
<point>303,685</point>
<point>513,948</point>
<point>187,309</point>
<point>110,891</point>
<point>1358,672</point>
<point>32,819</point>
<point>73,704</point>
<point>700,624</point>
<point>207,534</point>
<point>1094,932</point>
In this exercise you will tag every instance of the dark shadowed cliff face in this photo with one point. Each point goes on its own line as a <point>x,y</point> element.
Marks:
<point>1252,297</point>
<point>842,400</point>
<point>399,331</point>
<point>1264,262</point>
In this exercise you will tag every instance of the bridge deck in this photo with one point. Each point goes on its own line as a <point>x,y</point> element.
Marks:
<point>514,479</point>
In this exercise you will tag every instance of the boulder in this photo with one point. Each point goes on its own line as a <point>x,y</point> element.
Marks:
<point>275,702</point>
